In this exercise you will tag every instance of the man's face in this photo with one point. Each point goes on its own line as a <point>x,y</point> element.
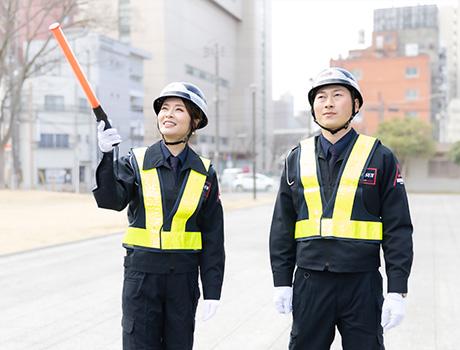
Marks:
<point>333,106</point>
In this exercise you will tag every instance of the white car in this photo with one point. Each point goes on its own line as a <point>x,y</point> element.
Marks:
<point>245,182</point>
<point>228,176</point>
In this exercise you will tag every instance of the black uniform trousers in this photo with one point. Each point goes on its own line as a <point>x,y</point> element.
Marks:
<point>159,310</point>
<point>323,300</point>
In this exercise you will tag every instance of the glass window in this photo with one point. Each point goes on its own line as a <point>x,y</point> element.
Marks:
<point>54,141</point>
<point>188,69</point>
<point>411,72</point>
<point>46,140</point>
<point>357,73</point>
<point>411,94</point>
<point>54,103</point>
<point>62,141</point>
<point>83,105</point>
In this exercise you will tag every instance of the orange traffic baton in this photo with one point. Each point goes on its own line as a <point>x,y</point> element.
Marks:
<point>55,28</point>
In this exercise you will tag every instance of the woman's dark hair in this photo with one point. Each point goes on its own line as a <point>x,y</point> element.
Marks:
<point>195,113</point>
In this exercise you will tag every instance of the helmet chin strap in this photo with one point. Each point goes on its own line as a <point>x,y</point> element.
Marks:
<point>171,143</point>
<point>334,131</point>
<point>174,142</point>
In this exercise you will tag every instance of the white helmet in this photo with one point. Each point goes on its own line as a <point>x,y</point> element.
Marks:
<point>335,76</point>
<point>187,91</point>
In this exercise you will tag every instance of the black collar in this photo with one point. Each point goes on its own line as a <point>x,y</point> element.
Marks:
<point>182,156</point>
<point>154,158</point>
<point>341,145</point>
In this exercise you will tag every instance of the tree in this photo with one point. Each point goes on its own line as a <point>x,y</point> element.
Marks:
<point>407,138</point>
<point>454,153</point>
<point>22,22</point>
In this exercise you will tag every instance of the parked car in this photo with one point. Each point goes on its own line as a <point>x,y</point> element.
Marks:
<point>228,176</point>
<point>245,182</point>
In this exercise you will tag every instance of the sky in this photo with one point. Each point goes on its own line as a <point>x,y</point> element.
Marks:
<point>306,34</point>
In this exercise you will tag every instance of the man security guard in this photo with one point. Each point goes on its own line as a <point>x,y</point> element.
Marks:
<point>341,198</point>
<point>175,224</point>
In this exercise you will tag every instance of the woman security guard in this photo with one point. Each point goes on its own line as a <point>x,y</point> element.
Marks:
<point>175,224</point>
<point>341,198</point>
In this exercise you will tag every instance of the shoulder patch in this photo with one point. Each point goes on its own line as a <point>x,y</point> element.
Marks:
<point>369,177</point>
<point>398,177</point>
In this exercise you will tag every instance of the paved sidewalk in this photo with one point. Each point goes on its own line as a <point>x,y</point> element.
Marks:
<point>68,297</point>
<point>37,219</point>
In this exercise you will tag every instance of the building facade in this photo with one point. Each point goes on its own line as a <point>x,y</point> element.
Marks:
<point>223,46</point>
<point>449,22</point>
<point>414,30</point>
<point>58,148</point>
<point>402,92</point>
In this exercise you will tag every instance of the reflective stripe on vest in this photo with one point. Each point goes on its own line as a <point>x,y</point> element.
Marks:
<point>153,236</point>
<point>340,225</point>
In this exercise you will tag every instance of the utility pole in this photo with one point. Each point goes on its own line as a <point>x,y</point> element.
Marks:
<point>264,86</point>
<point>215,50</point>
<point>381,108</point>
<point>217,100</point>
<point>254,155</point>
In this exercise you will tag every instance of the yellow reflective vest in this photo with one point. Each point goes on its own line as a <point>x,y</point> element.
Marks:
<point>153,235</point>
<point>341,225</point>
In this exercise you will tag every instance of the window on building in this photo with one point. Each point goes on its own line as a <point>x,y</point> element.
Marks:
<point>379,42</point>
<point>124,20</point>
<point>411,94</point>
<point>189,69</point>
<point>136,103</point>
<point>46,140</point>
<point>83,105</point>
<point>54,176</point>
<point>411,49</point>
<point>196,72</point>
<point>411,72</point>
<point>82,172</point>
<point>62,140</point>
<point>411,114</point>
<point>357,73</point>
<point>54,103</point>
<point>54,141</point>
<point>135,77</point>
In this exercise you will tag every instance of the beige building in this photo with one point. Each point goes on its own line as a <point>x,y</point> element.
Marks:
<point>449,25</point>
<point>223,46</point>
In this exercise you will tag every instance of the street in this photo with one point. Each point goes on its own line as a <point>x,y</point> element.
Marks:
<point>68,296</point>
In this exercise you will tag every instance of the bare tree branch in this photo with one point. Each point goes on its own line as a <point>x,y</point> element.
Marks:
<point>25,47</point>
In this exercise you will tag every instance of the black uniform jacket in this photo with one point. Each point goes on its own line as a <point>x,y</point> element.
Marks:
<point>383,195</point>
<point>117,185</point>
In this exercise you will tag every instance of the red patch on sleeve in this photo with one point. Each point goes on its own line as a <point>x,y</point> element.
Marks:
<point>398,177</point>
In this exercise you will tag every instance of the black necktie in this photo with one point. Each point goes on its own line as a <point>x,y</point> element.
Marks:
<point>334,155</point>
<point>174,162</point>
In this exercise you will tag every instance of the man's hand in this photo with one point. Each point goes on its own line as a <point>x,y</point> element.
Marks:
<point>107,139</point>
<point>282,297</point>
<point>393,310</point>
<point>209,308</point>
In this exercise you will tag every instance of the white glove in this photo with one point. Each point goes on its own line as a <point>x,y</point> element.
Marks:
<point>107,138</point>
<point>282,297</point>
<point>393,310</point>
<point>209,308</point>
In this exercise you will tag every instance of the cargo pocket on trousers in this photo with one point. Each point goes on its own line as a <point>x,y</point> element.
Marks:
<point>127,323</point>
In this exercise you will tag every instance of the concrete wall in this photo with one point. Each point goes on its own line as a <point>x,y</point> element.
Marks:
<point>418,179</point>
